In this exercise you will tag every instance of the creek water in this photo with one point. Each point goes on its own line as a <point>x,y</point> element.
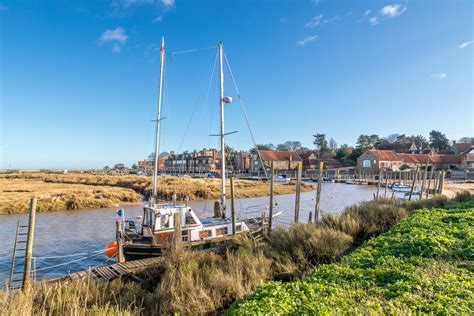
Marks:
<point>82,232</point>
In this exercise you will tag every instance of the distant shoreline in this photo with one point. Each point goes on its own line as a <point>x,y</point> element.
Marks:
<point>64,192</point>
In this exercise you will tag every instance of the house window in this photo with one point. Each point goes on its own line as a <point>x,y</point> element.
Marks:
<point>366,163</point>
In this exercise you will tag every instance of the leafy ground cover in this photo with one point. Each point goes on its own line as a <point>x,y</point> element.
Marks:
<point>422,265</point>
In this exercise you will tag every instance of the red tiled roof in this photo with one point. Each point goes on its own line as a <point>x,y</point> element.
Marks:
<point>438,159</point>
<point>414,158</point>
<point>389,155</point>
<point>279,155</point>
<point>462,147</point>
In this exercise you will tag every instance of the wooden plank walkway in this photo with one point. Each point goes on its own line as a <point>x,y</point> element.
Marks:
<point>115,270</point>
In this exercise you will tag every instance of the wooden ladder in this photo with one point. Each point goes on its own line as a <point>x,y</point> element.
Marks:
<point>16,277</point>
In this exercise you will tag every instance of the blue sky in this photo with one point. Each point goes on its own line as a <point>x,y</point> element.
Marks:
<point>79,78</point>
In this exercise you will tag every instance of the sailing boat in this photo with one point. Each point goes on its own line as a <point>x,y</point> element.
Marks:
<point>158,232</point>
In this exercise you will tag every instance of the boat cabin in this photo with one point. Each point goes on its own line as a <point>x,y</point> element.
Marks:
<point>158,224</point>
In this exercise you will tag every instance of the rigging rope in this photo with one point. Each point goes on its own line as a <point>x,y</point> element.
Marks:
<point>247,121</point>
<point>191,50</point>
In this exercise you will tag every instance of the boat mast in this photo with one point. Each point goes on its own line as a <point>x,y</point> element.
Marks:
<point>158,118</point>
<point>221,101</point>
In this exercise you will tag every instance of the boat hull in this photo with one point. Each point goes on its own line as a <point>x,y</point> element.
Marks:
<point>141,251</point>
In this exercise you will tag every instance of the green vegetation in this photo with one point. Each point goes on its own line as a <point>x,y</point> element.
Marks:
<point>422,265</point>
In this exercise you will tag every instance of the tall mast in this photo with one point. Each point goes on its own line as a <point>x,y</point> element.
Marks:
<point>158,118</point>
<point>221,101</point>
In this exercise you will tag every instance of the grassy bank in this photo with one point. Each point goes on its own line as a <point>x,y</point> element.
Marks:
<point>78,191</point>
<point>423,265</point>
<point>418,262</point>
<point>16,193</point>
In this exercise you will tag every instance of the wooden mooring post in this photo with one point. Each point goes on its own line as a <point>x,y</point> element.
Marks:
<point>178,239</point>
<point>413,183</point>
<point>270,215</point>
<point>441,182</point>
<point>385,189</point>
<point>425,175</point>
<point>429,182</point>
<point>317,209</point>
<point>298,192</point>
<point>378,185</point>
<point>29,244</point>
<point>119,238</point>
<point>232,204</point>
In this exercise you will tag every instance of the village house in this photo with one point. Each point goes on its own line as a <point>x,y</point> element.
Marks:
<point>310,160</point>
<point>206,161</point>
<point>374,160</point>
<point>147,165</point>
<point>282,160</point>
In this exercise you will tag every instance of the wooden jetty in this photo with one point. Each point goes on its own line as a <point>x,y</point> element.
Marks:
<point>115,270</point>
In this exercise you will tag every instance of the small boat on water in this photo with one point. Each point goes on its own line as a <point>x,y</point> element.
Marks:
<point>282,178</point>
<point>158,231</point>
<point>400,187</point>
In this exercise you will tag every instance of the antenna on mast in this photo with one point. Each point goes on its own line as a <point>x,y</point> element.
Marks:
<point>158,119</point>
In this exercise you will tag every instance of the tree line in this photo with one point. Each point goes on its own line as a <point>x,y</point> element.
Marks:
<point>326,148</point>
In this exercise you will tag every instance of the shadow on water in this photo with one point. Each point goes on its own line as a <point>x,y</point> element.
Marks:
<point>82,232</point>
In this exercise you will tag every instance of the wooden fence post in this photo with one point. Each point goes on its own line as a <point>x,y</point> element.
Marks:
<point>298,192</point>
<point>119,238</point>
<point>386,185</point>
<point>232,204</point>
<point>317,210</point>
<point>272,179</point>
<point>29,244</point>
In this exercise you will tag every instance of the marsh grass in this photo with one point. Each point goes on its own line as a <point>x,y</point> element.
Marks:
<point>79,191</point>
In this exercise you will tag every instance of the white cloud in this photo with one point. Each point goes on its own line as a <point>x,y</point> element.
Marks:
<point>393,10</point>
<point>117,37</point>
<point>157,19</point>
<point>367,12</point>
<point>3,7</point>
<point>168,3</point>
<point>466,44</point>
<point>374,20</point>
<point>307,40</point>
<point>315,21</point>
<point>440,75</point>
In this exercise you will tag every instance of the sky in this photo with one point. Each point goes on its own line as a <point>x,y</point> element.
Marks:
<point>78,79</point>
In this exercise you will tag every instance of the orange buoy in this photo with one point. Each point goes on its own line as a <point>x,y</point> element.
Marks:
<point>111,249</point>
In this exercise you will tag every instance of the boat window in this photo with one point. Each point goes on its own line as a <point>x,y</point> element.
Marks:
<point>238,228</point>
<point>221,231</point>
<point>165,221</point>
<point>189,218</point>
<point>147,217</point>
<point>205,234</point>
